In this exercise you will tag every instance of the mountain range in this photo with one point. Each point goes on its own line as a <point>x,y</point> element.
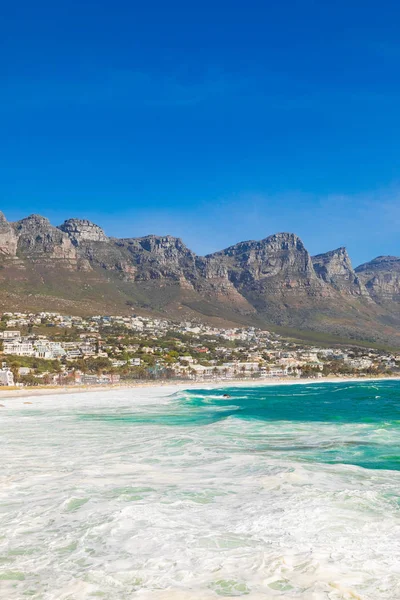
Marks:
<point>76,268</point>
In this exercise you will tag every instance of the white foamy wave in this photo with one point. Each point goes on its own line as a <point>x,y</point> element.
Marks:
<point>96,508</point>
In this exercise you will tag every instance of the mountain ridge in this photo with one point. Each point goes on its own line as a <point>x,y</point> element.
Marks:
<point>271,281</point>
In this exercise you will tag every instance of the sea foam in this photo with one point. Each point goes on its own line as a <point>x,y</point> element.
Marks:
<point>187,496</point>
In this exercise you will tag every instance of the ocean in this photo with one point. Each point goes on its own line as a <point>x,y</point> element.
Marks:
<point>286,492</point>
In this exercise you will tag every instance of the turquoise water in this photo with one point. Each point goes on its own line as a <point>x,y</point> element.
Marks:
<point>371,408</point>
<point>278,492</point>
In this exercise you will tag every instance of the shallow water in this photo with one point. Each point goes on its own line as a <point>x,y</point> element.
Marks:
<point>276,492</point>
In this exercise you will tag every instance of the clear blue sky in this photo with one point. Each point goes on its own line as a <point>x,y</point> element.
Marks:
<point>213,121</point>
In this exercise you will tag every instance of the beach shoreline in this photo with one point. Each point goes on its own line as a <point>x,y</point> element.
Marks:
<point>34,391</point>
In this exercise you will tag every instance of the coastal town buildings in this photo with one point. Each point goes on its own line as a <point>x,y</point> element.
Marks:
<point>52,348</point>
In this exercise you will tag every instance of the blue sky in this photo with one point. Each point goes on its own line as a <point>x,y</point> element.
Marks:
<point>215,121</point>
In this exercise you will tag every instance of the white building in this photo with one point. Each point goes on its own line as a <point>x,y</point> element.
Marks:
<point>49,350</point>
<point>87,349</point>
<point>19,348</point>
<point>135,362</point>
<point>6,377</point>
<point>248,366</point>
<point>118,363</point>
<point>274,371</point>
<point>359,363</point>
<point>73,353</point>
<point>10,335</point>
<point>24,371</point>
<point>201,371</point>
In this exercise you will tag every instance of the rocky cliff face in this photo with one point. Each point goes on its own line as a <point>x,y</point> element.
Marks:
<point>166,258</point>
<point>81,230</point>
<point>8,238</point>
<point>37,238</point>
<point>158,256</point>
<point>269,281</point>
<point>275,264</point>
<point>335,268</point>
<point>381,278</point>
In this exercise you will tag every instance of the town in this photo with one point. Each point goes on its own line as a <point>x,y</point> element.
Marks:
<point>52,349</point>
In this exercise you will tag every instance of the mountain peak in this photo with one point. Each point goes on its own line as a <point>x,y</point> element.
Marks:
<point>285,239</point>
<point>335,268</point>
<point>380,263</point>
<point>274,242</point>
<point>164,244</point>
<point>381,277</point>
<point>82,230</point>
<point>32,221</point>
<point>339,256</point>
<point>341,251</point>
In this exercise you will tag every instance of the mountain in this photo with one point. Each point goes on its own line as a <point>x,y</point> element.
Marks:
<point>335,268</point>
<point>77,268</point>
<point>381,277</point>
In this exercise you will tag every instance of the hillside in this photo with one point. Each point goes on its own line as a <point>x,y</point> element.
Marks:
<point>76,268</point>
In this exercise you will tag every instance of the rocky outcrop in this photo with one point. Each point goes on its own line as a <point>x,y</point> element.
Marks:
<point>155,257</point>
<point>38,239</point>
<point>380,264</point>
<point>8,238</point>
<point>335,268</point>
<point>278,262</point>
<point>274,275</point>
<point>82,230</point>
<point>381,278</point>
